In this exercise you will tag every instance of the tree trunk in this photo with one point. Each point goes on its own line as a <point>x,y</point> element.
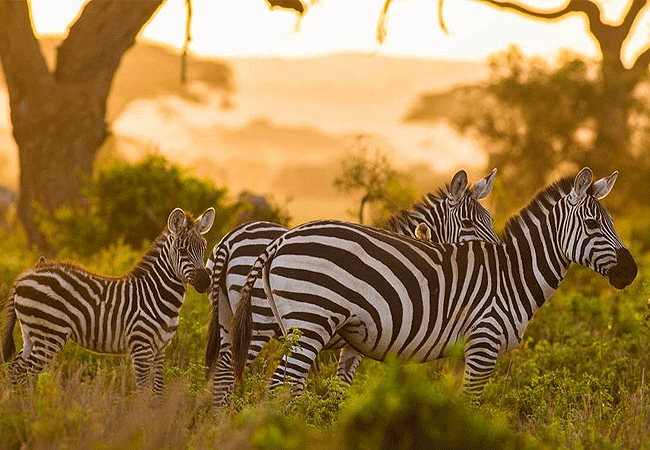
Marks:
<point>59,118</point>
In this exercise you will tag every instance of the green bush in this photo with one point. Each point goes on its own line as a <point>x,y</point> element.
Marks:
<point>129,203</point>
<point>406,410</point>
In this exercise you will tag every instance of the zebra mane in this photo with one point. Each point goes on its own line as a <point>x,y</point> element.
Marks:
<point>428,200</point>
<point>151,255</point>
<point>542,202</point>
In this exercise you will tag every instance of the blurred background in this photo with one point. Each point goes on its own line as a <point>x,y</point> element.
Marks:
<point>274,103</point>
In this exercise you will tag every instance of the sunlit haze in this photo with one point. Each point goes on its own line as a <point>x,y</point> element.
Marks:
<point>248,27</point>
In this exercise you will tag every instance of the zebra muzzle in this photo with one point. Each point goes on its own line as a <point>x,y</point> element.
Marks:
<point>625,270</point>
<point>201,281</point>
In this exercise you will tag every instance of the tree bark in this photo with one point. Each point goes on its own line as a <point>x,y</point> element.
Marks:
<point>58,117</point>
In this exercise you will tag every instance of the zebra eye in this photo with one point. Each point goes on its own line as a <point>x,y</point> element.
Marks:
<point>183,251</point>
<point>592,223</point>
<point>467,223</point>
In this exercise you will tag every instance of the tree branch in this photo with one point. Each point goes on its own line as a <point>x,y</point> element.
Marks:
<point>642,60</point>
<point>23,62</point>
<point>632,14</point>
<point>96,42</point>
<point>587,7</point>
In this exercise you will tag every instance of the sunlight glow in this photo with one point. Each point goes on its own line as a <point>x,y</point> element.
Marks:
<point>249,28</point>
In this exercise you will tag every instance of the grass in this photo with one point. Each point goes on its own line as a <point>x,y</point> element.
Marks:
<point>577,381</point>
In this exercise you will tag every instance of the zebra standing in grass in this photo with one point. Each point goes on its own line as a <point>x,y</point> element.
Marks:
<point>383,293</point>
<point>135,314</point>
<point>452,215</point>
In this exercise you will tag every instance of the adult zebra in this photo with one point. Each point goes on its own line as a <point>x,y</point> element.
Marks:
<point>135,314</point>
<point>453,215</point>
<point>385,293</point>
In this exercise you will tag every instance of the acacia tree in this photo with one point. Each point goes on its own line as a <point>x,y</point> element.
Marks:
<point>617,82</point>
<point>58,115</point>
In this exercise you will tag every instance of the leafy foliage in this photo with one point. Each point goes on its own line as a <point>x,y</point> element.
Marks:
<point>152,188</point>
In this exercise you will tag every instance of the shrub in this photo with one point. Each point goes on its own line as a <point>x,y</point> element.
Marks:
<point>125,203</point>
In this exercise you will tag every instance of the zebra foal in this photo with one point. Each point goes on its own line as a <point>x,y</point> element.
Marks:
<point>135,314</point>
<point>454,214</point>
<point>383,293</point>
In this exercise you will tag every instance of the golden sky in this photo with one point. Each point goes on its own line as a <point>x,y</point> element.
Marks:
<point>248,28</point>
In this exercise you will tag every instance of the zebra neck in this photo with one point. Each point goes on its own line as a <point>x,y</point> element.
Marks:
<point>536,263</point>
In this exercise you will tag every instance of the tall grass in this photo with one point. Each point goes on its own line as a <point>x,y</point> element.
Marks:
<point>578,380</point>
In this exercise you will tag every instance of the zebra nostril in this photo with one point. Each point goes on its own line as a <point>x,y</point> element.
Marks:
<point>625,270</point>
<point>201,281</point>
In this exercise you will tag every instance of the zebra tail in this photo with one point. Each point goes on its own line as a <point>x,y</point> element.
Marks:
<point>8,344</point>
<point>242,322</point>
<point>215,267</point>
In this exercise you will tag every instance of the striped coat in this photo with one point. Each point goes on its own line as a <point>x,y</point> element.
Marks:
<point>136,314</point>
<point>383,293</point>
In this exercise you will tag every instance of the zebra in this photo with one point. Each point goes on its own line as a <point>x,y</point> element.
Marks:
<point>453,214</point>
<point>136,314</point>
<point>383,293</point>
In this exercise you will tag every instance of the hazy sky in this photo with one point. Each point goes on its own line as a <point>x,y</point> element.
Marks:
<point>248,27</point>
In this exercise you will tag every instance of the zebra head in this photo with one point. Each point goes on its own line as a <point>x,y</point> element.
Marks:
<point>468,219</point>
<point>188,246</point>
<point>587,231</point>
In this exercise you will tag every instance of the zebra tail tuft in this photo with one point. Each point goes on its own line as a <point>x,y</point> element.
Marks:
<point>8,344</point>
<point>213,344</point>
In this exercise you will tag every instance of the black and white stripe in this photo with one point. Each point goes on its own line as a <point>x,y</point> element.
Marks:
<point>383,293</point>
<point>453,215</point>
<point>135,314</point>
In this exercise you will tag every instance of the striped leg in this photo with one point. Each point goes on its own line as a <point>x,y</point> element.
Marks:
<point>142,357</point>
<point>349,361</point>
<point>480,358</point>
<point>37,353</point>
<point>293,369</point>
<point>158,380</point>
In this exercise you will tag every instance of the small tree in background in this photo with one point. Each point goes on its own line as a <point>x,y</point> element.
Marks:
<point>368,170</point>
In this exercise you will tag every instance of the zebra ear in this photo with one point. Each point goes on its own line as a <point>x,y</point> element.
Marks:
<point>205,220</point>
<point>581,183</point>
<point>483,187</point>
<point>458,185</point>
<point>176,220</point>
<point>603,186</point>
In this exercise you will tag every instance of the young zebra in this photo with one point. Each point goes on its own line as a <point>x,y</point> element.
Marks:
<point>135,314</point>
<point>452,215</point>
<point>383,293</point>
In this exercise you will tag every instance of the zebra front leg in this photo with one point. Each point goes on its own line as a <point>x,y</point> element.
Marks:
<point>142,358</point>
<point>480,359</point>
<point>349,361</point>
<point>158,378</point>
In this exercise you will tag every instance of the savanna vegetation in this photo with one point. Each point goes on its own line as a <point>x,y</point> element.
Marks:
<point>578,379</point>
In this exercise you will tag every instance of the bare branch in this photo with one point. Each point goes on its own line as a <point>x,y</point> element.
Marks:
<point>642,61</point>
<point>632,14</point>
<point>587,7</point>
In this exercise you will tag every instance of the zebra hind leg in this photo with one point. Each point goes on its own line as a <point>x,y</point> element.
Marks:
<point>224,378</point>
<point>349,361</point>
<point>34,358</point>
<point>293,368</point>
